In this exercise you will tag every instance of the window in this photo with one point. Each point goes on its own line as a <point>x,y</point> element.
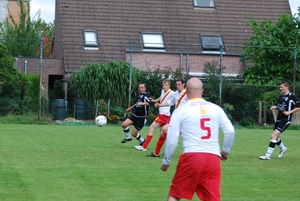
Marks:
<point>211,42</point>
<point>90,39</point>
<point>204,3</point>
<point>153,41</point>
<point>3,6</point>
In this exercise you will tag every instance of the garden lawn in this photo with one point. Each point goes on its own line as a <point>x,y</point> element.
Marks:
<point>73,162</point>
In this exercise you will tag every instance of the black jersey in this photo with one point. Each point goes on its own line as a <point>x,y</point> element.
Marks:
<point>286,103</point>
<point>141,111</point>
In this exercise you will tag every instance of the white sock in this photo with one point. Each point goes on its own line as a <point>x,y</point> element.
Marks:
<point>269,151</point>
<point>281,145</point>
<point>127,132</point>
<point>139,138</point>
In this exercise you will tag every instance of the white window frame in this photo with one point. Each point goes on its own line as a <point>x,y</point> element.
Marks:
<point>204,3</point>
<point>90,40</point>
<point>216,40</point>
<point>154,41</point>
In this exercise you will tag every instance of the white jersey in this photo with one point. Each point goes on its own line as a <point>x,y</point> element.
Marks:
<point>166,96</point>
<point>178,99</point>
<point>198,122</point>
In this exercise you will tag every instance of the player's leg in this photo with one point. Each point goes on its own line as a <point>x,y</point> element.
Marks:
<point>155,124</point>
<point>160,143</point>
<point>186,177</point>
<point>125,125</point>
<point>152,128</point>
<point>171,198</point>
<point>279,142</point>
<point>271,147</point>
<point>275,136</point>
<point>139,124</point>
<point>209,184</point>
<point>162,138</point>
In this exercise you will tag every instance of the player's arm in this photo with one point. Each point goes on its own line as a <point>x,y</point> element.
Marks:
<point>155,100</point>
<point>229,133</point>
<point>148,101</point>
<point>171,102</point>
<point>130,108</point>
<point>296,108</point>
<point>291,111</point>
<point>274,107</point>
<point>143,103</point>
<point>172,140</point>
<point>164,104</point>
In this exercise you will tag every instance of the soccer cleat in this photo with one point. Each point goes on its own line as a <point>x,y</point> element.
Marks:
<point>126,140</point>
<point>280,155</point>
<point>140,148</point>
<point>264,157</point>
<point>153,155</point>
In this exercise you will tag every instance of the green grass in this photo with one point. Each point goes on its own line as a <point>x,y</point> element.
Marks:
<point>69,162</point>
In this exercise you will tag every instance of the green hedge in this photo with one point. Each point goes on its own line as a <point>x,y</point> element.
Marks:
<point>245,99</point>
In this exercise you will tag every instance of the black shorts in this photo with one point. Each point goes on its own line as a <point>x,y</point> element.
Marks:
<point>281,125</point>
<point>138,123</point>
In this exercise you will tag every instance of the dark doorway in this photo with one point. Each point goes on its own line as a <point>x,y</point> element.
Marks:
<point>52,79</point>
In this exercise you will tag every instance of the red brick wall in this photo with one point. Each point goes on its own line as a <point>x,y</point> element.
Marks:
<point>195,62</point>
<point>49,67</point>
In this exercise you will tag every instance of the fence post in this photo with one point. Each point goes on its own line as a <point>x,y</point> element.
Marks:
<point>220,88</point>
<point>295,70</point>
<point>130,75</point>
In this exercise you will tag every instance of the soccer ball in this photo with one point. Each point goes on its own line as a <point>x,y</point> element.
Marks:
<point>101,120</point>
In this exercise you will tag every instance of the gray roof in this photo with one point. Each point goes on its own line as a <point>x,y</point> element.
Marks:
<point>119,22</point>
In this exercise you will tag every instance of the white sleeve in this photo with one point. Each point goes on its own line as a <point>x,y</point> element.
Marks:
<point>228,130</point>
<point>172,138</point>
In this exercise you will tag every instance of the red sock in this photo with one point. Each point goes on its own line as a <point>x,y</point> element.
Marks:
<point>147,141</point>
<point>159,144</point>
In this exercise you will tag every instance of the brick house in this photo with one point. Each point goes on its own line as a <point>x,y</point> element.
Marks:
<point>182,34</point>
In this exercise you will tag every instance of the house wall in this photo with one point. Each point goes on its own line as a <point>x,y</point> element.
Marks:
<point>14,9</point>
<point>49,67</point>
<point>192,63</point>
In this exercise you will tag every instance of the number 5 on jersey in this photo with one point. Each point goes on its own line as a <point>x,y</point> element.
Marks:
<point>205,128</point>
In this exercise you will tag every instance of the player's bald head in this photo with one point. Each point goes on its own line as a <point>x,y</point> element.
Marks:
<point>194,88</point>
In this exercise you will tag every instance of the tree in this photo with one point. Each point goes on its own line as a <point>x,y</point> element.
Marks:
<point>23,37</point>
<point>212,81</point>
<point>10,83</point>
<point>8,73</point>
<point>269,52</point>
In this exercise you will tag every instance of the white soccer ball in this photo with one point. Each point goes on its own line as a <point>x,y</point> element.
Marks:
<point>101,120</point>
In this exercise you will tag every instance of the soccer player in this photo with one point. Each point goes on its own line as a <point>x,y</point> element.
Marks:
<point>164,113</point>
<point>178,99</point>
<point>287,104</point>
<point>139,116</point>
<point>199,169</point>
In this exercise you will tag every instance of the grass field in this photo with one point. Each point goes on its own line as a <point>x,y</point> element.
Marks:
<point>69,162</point>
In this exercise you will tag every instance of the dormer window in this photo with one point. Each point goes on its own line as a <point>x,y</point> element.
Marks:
<point>211,43</point>
<point>154,41</point>
<point>204,3</point>
<point>90,40</point>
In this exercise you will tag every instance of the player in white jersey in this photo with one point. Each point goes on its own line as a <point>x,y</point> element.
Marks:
<point>199,169</point>
<point>178,99</point>
<point>164,113</point>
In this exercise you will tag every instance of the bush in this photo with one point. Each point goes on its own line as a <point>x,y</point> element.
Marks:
<point>228,108</point>
<point>245,99</point>
<point>112,119</point>
<point>119,111</point>
<point>247,121</point>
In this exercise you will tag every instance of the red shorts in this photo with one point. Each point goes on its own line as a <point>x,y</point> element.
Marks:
<point>162,119</point>
<point>200,173</point>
